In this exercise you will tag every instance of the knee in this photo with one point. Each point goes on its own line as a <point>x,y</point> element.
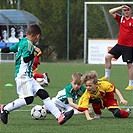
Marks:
<point>42,94</point>
<point>108,56</point>
<point>29,100</point>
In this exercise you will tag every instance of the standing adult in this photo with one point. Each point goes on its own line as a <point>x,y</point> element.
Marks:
<point>124,45</point>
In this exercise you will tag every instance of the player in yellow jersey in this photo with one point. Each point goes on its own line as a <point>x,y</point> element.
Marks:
<point>101,95</point>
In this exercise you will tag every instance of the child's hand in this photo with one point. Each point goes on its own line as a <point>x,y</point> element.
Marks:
<point>123,101</point>
<point>125,7</point>
<point>90,118</point>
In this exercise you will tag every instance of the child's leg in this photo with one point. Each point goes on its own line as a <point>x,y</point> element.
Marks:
<point>96,104</point>
<point>18,103</point>
<point>5,109</point>
<point>59,104</point>
<point>38,75</point>
<point>48,103</point>
<point>119,113</point>
<point>15,104</point>
<point>62,118</point>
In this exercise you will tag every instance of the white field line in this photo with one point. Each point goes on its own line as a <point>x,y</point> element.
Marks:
<point>20,110</point>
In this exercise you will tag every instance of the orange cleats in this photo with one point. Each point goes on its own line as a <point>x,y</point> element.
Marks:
<point>65,117</point>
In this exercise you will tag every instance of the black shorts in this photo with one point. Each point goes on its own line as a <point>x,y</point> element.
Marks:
<point>126,52</point>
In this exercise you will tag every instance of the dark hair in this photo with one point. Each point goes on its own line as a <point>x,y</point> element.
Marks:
<point>128,5</point>
<point>34,30</point>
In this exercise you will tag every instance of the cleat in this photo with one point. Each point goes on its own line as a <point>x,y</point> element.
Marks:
<point>128,110</point>
<point>129,88</point>
<point>45,75</point>
<point>65,117</point>
<point>4,115</point>
<point>97,116</point>
<point>103,79</point>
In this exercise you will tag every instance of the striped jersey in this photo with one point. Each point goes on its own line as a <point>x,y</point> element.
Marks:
<point>24,48</point>
<point>69,92</point>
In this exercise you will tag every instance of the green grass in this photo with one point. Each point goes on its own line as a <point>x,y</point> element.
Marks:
<point>60,73</point>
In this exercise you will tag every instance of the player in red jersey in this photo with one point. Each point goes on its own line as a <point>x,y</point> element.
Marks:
<point>124,45</point>
<point>43,79</point>
<point>101,95</point>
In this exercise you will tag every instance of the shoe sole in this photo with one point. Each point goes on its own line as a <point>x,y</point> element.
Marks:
<point>68,116</point>
<point>128,89</point>
<point>48,78</point>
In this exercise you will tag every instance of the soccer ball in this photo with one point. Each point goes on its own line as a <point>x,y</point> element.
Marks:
<point>38,112</point>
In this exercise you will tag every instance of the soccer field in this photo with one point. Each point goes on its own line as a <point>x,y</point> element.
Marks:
<point>20,120</point>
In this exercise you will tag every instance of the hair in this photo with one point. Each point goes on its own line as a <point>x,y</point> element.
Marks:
<point>128,5</point>
<point>34,30</point>
<point>77,77</point>
<point>89,76</point>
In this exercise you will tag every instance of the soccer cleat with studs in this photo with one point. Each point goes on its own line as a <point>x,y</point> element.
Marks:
<point>45,75</point>
<point>4,115</point>
<point>65,117</point>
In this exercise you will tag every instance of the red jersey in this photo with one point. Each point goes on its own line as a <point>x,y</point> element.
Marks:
<point>125,37</point>
<point>36,61</point>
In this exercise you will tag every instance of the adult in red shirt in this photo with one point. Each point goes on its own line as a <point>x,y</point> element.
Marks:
<point>124,45</point>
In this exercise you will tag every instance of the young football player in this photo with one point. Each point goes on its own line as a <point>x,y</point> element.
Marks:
<point>27,86</point>
<point>101,95</point>
<point>66,99</point>
<point>42,79</point>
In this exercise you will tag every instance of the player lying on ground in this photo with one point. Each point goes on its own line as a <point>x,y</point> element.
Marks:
<point>66,99</point>
<point>101,95</point>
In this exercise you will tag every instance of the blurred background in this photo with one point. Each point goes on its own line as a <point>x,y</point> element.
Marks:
<point>62,24</point>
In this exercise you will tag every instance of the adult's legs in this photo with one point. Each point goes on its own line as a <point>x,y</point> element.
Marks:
<point>130,76</point>
<point>108,66</point>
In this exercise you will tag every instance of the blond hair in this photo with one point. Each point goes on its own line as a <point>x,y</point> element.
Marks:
<point>77,77</point>
<point>89,76</point>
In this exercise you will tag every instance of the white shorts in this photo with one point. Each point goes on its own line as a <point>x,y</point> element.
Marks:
<point>27,86</point>
<point>62,106</point>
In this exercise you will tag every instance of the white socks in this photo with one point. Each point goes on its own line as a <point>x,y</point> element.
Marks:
<point>130,82</point>
<point>107,73</point>
<point>15,104</point>
<point>52,107</point>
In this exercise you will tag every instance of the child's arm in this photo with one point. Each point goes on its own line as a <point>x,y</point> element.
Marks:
<point>72,104</point>
<point>87,115</point>
<point>122,100</point>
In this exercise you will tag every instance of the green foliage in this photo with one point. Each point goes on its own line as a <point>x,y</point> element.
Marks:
<point>53,17</point>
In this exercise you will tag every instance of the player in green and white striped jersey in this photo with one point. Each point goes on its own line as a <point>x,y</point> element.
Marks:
<point>66,99</point>
<point>27,86</point>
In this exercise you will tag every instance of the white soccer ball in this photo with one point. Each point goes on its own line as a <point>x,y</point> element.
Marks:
<point>38,112</point>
